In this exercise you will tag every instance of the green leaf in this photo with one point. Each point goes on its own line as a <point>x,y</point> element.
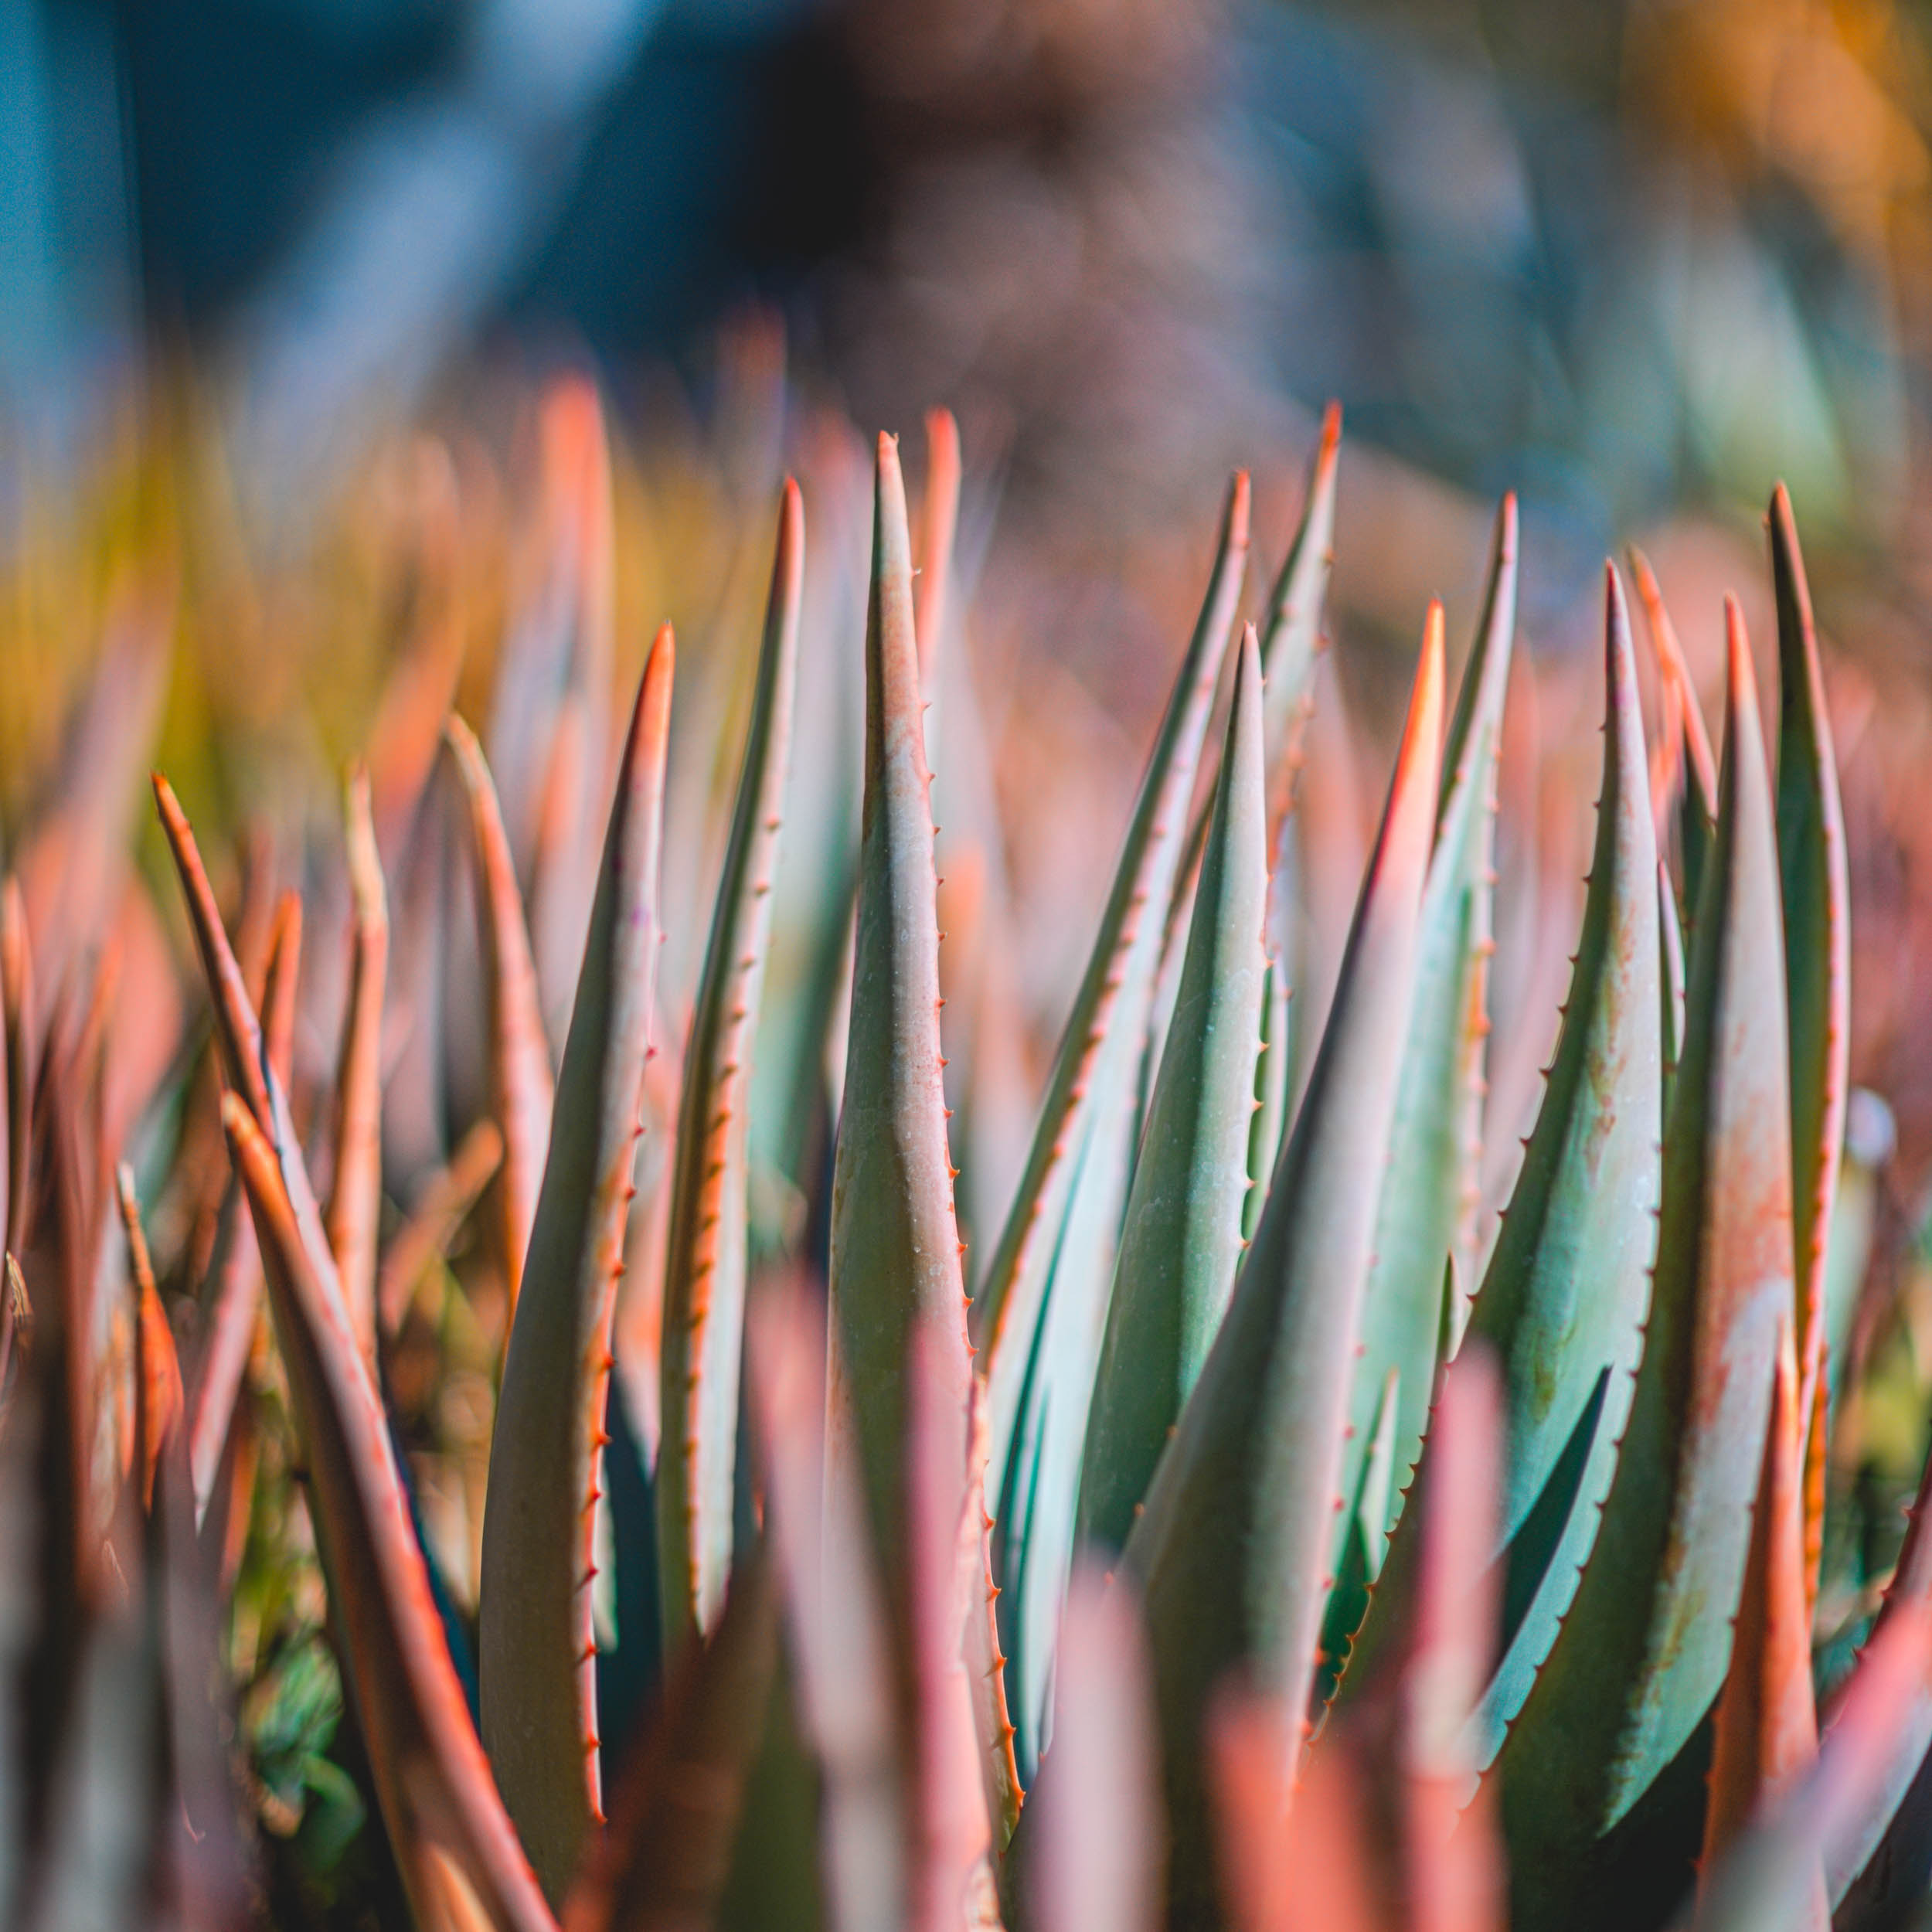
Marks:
<point>1670,932</point>
<point>1182,1239</point>
<point>1563,1299</point>
<point>1643,1650</point>
<point>1817,953</point>
<point>1431,1187</point>
<point>1042,1310</point>
<point>1232,1551</point>
<point>895,1263</point>
<point>523,1090</point>
<point>536,1649</point>
<point>704,1288</point>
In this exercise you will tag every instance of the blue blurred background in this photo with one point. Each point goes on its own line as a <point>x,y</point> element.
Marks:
<point>1621,254</point>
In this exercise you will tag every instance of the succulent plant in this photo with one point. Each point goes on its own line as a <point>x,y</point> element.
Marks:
<point>1267,1534</point>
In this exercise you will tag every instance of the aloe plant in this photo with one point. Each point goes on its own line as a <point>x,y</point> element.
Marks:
<point>1265,1543</point>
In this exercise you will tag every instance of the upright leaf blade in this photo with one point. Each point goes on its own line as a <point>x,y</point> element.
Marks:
<point>1818,963</point>
<point>537,1653</point>
<point>356,1195</point>
<point>522,1089</point>
<point>1432,1189</point>
<point>1232,1551</point>
<point>704,1290</point>
<point>1182,1238</point>
<point>1643,1651</point>
<point>444,1818</point>
<point>895,1247</point>
<point>1562,1302</point>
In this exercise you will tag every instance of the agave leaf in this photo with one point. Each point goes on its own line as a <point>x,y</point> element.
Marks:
<point>537,1652</point>
<point>664,1860</point>
<point>1818,967</point>
<point>1182,1238</point>
<point>1096,1831</point>
<point>704,1286</point>
<point>1232,1551</point>
<point>1765,1884</point>
<point>999,1765</point>
<point>1684,773</point>
<point>1643,1650</point>
<point>356,1194</point>
<point>1766,1734</point>
<point>432,1780</point>
<point>895,1265</point>
<point>522,1089</point>
<point>1431,1189</point>
<point>1291,636</point>
<point>1042,1307</point>
<point>1360,1546</point>
<point>1567,1283</point>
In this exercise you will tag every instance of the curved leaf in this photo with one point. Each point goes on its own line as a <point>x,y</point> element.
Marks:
<point>445,1820</point>
<point>536,1651</point>
<point>1431,1189</point>
<point>1818,965</point>
<point>1562,1301</point>
<point>895,1247</point>
<point>1182,1238</point>
<point>1642,1652</point>
<point>1042,1307</point>
<point>1683,772</point>
<point>356,1194</point>
<point>522,1089</point>
<point>704,1287</point>
<point>1232,1551</point>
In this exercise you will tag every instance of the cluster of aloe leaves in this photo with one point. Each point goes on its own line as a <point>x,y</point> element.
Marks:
<point>1262,1535</point>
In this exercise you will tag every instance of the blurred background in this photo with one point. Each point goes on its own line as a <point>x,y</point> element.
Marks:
<point>280,278</point>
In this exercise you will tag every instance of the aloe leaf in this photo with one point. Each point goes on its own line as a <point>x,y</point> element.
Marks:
<point>522,1088</point>
<point>1642,1652</point>
<point>355,1196</point>
<point>895,1263</point>
<point>665,1859</point>
<point>1041,1309</point>
<point>704,1289</point>
<point>1817,961</point>
<point>1291,634</point>
<point>1182,1238</point>
<point>1271,1071</point>
<point>537,1652</point>
<point>1564,1297</point>
<point>1766,1732</point>
<point>1671,932</point>
<point>1232,1551</point>
<point>1684,773</point>
<point>1362,1540</point>
<point>1431,1190</point>
<point>461,1858</point>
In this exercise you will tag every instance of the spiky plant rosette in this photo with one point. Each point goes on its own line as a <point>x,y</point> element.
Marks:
<point>556,1462</point>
